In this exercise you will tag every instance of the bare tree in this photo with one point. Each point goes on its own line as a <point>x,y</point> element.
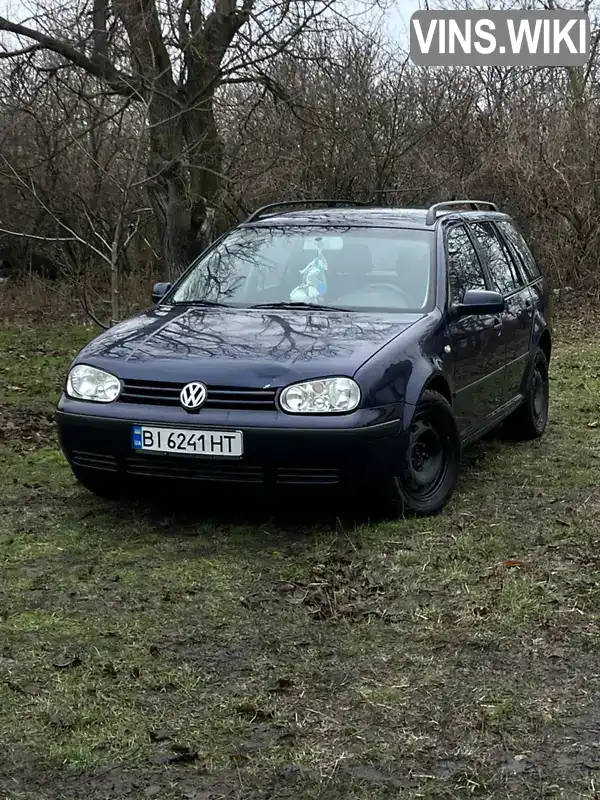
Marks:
<point>298,107</point>
<point>78,185</point>
<point>173,57</point>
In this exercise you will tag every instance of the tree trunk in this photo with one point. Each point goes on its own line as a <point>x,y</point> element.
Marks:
<point>115,309</point>
<point>184,160</point>
<point>184,171</point>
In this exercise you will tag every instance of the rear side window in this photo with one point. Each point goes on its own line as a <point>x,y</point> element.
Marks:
<point>464,269</point>
<point>514,236</point>
<point>503,270</point>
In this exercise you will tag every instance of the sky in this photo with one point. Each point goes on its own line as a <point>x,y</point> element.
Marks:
<point>396,18</point>
<point>400,16</point>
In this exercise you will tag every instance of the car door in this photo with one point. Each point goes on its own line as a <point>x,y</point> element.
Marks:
<point>518,316</point>
<point>477,340</point>
<point>538,286</point>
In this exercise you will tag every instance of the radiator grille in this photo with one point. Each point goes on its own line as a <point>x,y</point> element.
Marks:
<point>230,471</point>
<point>82,458</point>
<point>192,469</point>
<point>159,393</point>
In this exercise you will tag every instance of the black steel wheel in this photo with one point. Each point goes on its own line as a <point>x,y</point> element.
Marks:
<point>430,462</point>
<point>530,419</point>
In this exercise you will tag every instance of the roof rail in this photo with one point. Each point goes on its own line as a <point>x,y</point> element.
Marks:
<point>432,212</point>
<point>327,203</point>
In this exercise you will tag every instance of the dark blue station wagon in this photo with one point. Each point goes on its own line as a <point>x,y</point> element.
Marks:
<point>321,343</point>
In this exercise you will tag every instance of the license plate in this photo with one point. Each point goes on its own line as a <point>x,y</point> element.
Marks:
<point>187,442</point>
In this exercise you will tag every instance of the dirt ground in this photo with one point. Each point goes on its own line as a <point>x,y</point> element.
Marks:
<point>267,648</point>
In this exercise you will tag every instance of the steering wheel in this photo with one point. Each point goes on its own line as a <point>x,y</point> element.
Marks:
<point>406,299</point>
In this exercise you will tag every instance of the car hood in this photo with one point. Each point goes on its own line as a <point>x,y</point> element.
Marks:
<point>246,347</point>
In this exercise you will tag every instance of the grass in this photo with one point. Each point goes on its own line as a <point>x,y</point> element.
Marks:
<point>258,652</point>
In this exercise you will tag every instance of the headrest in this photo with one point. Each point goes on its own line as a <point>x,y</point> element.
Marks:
<point>353,259</point>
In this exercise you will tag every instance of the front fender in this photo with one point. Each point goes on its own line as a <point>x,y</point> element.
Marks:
<point>405,368</point>
<point>430,376</point>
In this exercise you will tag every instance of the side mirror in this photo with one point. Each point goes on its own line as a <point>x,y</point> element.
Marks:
<point>480,302</point>
<point>159,290</point>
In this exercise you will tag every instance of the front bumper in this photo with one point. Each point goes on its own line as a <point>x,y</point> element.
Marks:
<point>278,448</point>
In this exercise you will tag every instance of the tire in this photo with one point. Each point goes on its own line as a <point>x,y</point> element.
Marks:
<point>530,419</point>
<point>430,463</point>
<point>102,484</point>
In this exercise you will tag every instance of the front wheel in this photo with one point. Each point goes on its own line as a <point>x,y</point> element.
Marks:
<point>530,419</point>
<point>430,464</point>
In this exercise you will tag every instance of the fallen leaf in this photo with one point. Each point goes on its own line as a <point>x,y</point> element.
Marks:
<point>59,723</point>
<point>282,685</point>
<point>293,771</point>
<point>558,653</point>
<point>240,758</point>
<point>160,735</point>
<point>161,760</point>
<point>513,563</point>
<point>74,662</point>
<point>250,710</point>
<point>181,748</point>
<point>26,689</point>
<point>182,755</point>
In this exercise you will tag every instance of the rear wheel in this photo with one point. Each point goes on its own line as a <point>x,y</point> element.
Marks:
<point>430,464</point>
<point>530,419</point>
<point>102,484</point>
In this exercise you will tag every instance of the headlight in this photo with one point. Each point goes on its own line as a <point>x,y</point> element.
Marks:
<point>321,397</point>
<point>90,383</point>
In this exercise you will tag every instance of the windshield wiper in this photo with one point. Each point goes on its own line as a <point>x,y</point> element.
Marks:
<point>291,304</point>
<point>210,303</point>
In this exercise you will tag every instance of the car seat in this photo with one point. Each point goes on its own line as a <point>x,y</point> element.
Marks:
<point>348,269</point>
<point>412,278</point>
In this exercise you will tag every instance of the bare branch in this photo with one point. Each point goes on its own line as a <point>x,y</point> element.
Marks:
<point>33,236</point>
<point>119,82</point>
<point>25,51</point>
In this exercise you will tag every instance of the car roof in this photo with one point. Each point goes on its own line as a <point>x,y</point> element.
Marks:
<point>366,217</point>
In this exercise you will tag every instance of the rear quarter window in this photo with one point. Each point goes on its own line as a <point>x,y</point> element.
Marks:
<point>501,264</point>
<point>516,239</point>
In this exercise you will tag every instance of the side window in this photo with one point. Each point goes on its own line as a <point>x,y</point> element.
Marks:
<point>513,235</point>
<point>464,269</point>
<point>503,271</point>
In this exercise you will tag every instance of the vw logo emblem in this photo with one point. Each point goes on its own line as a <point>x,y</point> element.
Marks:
<point>193,395</point>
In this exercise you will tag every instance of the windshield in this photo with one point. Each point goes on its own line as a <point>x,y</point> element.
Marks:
<point>358,269</point>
